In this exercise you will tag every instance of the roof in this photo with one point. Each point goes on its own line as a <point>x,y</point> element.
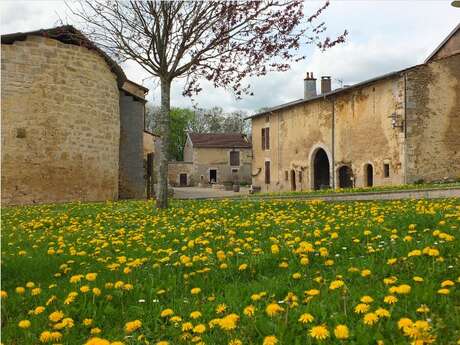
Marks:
<point>438,48</point>
<point>333,92</point>
<point>219,140</point>
<point>69,35</point>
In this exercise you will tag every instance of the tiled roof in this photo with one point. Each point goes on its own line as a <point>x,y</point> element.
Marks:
<point>224,140</point>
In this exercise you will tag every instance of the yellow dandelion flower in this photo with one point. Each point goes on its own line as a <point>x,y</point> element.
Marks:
<point>132,326</point>
<point>270,340</point>
<point>341,332</point>
<point>367,299</point>
<point>319,332</point>
<point>273,309</point>
<point>24,324</point>
<point>361,308</point>
<point>306,318</point>
<point>195,314</point>
<point>187,326</point>
<point>249,311</point>
<point>443,291</point>
<point>195,291</point>
<point>166,312</point>
<point>200,328</point>
<point>370,319</point>
<point>91,277</point>
<point>56,316</point>
<point>336,284</point>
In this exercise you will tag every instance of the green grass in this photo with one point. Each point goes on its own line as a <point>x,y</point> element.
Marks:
<point>165,254</point>
<point>377,189</point>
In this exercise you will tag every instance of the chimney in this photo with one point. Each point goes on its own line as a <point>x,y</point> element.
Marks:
<point>325,84</point>
<point>309,86</point>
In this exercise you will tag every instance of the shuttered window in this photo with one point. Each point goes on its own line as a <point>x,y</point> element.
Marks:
<point>234,158</point>
<point>266,138</point>
<point>263,138</point>
<point>267,172</point>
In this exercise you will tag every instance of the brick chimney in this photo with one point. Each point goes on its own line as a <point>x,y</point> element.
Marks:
<point>309,86</point>
<point>325,84</point>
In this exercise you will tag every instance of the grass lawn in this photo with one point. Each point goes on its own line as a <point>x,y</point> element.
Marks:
<point>232,273</point>
<point>378,189</point>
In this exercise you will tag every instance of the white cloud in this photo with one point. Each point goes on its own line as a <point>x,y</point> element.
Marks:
<point>384,36</point>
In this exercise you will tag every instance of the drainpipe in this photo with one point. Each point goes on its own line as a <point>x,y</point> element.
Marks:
<point>333,143</point>
<point>405,129</point>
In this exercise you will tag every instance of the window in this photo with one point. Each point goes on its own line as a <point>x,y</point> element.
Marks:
<point>286,175</point>
<point>267,172</point>
<point>263,138</point>
<point>266,138</point>
<point>300,176</point>
<point>386,170</point>
<point>234,158</point>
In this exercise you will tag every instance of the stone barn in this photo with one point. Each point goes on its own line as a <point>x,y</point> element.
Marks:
<point>213,158</point>
<point>398,128</point>
<point>72,124</point>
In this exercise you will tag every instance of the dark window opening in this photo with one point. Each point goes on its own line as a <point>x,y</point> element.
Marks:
<point>183,180</point>
<point>286,175</point>
<point>267,138</point>
<point>369,175</point>
<point>293,185</point>
<point>267,172</point>
<point>212,176</point>
<point>321,175</point>
<point>345,177</point>
<point>234,158</point>
<point>386,170</point>
<point>263,138</point>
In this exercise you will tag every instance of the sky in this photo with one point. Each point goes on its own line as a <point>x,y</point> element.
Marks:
<point>384,36</point>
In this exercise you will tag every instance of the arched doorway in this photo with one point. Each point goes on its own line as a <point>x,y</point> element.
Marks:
<point>345,177</point>
<point>293,186</point>
<point>321,174</point>
<point>369,170</point>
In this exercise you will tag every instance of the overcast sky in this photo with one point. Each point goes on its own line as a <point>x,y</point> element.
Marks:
<point>384,36</point>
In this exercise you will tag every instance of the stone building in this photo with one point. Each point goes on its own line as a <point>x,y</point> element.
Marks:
<point>398,128</point>
<point>72,123</point>
<point>213,158</point>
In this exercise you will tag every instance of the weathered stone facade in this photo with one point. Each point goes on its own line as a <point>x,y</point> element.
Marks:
<point>212,163</point>
<point>131,173</point>
<point>400,128</point>
<point>60,119</point>
<point>60,123</point>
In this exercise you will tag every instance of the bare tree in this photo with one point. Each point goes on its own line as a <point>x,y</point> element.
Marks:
<point>221,41</point>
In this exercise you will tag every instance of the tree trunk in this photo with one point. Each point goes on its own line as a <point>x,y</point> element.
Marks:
<point>164,123</point>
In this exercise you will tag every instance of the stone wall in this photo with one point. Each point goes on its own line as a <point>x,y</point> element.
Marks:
<point>60,123</point>
<point>132,184</point>
<point>352,127</point>
<point>433,121</point>
<point>205,159</point>
<point>177,168</point>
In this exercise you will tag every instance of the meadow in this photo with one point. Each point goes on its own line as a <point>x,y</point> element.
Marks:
<point>232,273</point>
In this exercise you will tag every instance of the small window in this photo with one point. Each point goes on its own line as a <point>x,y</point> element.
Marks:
<point>286,175</point>
<point>386,170</point>
<point>263,138</point>
<point>300,176</point>
<point>267,172</point>
<point>234,158</point>
<point>267,138</point>
<point>267,118</point>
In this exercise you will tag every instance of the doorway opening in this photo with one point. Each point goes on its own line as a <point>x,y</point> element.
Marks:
<point>293,186</point>
<point>369,170</point>
<point>345,177</point>
<point>321,174</point>
<point>183,180</point>
<point>212,175</point>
